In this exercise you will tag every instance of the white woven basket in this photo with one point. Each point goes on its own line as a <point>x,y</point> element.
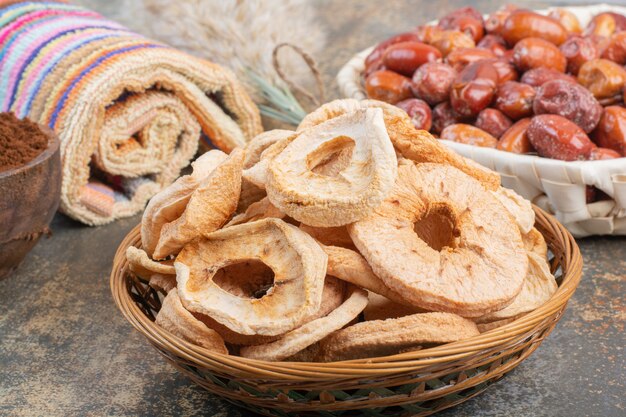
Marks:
<point>556,186</point>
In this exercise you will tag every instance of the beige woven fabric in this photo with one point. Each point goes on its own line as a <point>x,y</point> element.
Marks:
<point>556,186</point>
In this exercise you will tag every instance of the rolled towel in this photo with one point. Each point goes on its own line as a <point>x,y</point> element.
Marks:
<point>129,111</point>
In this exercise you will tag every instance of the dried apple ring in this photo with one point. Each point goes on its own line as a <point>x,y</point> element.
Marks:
<point>209,207</point>
<point>481,271</point>
<point>174,318</point>
<point>520,209</point>
<point>170,203</point>
<point>538,287</point>
<point>297,263</point>
<point>349,266</point>
<point>332,297</point>
<point>417,145</point>
<point>535,242</point>
<point>261,209</point>
<point>250,192</point>
<point>163,283</point>
<point>391,336</point>
<point>140,263</point>
<point>330,236</point>
<point>353,188</point>
<point>311,332</point>
<point>257,173</point>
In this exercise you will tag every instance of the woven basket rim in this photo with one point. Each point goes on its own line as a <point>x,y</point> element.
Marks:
<point>519,329</point>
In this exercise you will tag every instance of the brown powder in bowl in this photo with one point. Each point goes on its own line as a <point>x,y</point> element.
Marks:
<point>20,141</point>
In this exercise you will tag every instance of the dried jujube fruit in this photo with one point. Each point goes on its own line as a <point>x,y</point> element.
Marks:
<point>474,88</point>
<point>515,99</point>
<point>432,82</point>
<point>443,116</point>
<point>556,137</point>
<point>419,112</point>
<point>449,40</point>
<point>388,86</point>
<point>515,138</point>
<point>604,78</point>
<point>570,100</point>
<point>531,53</point>
<point>493,121</point>
<point>611,131</point>
<point>538,76</point>
<point>406,57</point>
<point>468,134</point>
<point>578,50</point>
<point>616,48</point>
<point>522,24</point>
<point>568,19</point>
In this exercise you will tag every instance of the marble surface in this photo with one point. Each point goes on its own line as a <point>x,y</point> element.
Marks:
<point>65,350</point>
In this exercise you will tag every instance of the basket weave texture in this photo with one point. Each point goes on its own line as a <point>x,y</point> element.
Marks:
<point>556,186</point>
<point>415,383</point>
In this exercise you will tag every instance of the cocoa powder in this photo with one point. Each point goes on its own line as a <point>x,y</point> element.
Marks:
<point>20,141</point>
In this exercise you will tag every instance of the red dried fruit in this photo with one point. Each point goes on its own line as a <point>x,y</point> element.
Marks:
<point>474,88</point>
<point>427,33</point>
<point>604,78</point>
<point>377,53</point>
<point>468,134</point>
<point>556,137</point>
<point>466,20</point>
<point>616,48</point>
<point>462,57</point>
<point>523,24</point>
<point>495,21</point>
<point>515,99</point>
<point>578,50</point>
<point>602,24</point>
<point>449,40</point>
<point>373,67</point>
<point>432,82</point>
<point>598,154</point>
<point>493,121</point>
<point>406,57</point>
<point>505,69</point>
<point>388,86</point>
<point>532,53</point>
<point>443,116</point>
<point>568,19</point>
<point>419,112</point>
<point>611,131</point>
<point>570,100</point>
<point>539,76</point>
<point>515,138</point>
<point>493,43</point>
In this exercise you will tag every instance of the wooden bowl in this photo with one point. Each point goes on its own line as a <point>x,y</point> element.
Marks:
<point>415,383</point>
<point>29,197</point>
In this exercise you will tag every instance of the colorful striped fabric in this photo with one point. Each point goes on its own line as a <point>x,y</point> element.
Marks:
<point>129,111</point>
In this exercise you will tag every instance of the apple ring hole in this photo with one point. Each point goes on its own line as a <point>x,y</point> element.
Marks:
<point>438,227</point>
<point>246,278</point>
<point>331,157</point>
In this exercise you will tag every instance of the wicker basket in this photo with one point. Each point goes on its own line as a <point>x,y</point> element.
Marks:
<point>557,186</point>
<point>415,383</point>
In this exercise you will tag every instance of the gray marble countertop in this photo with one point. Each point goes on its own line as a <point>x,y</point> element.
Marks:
<point>65,350</point>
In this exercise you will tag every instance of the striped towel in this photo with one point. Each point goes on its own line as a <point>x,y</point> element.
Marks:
<point>129,111</point>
